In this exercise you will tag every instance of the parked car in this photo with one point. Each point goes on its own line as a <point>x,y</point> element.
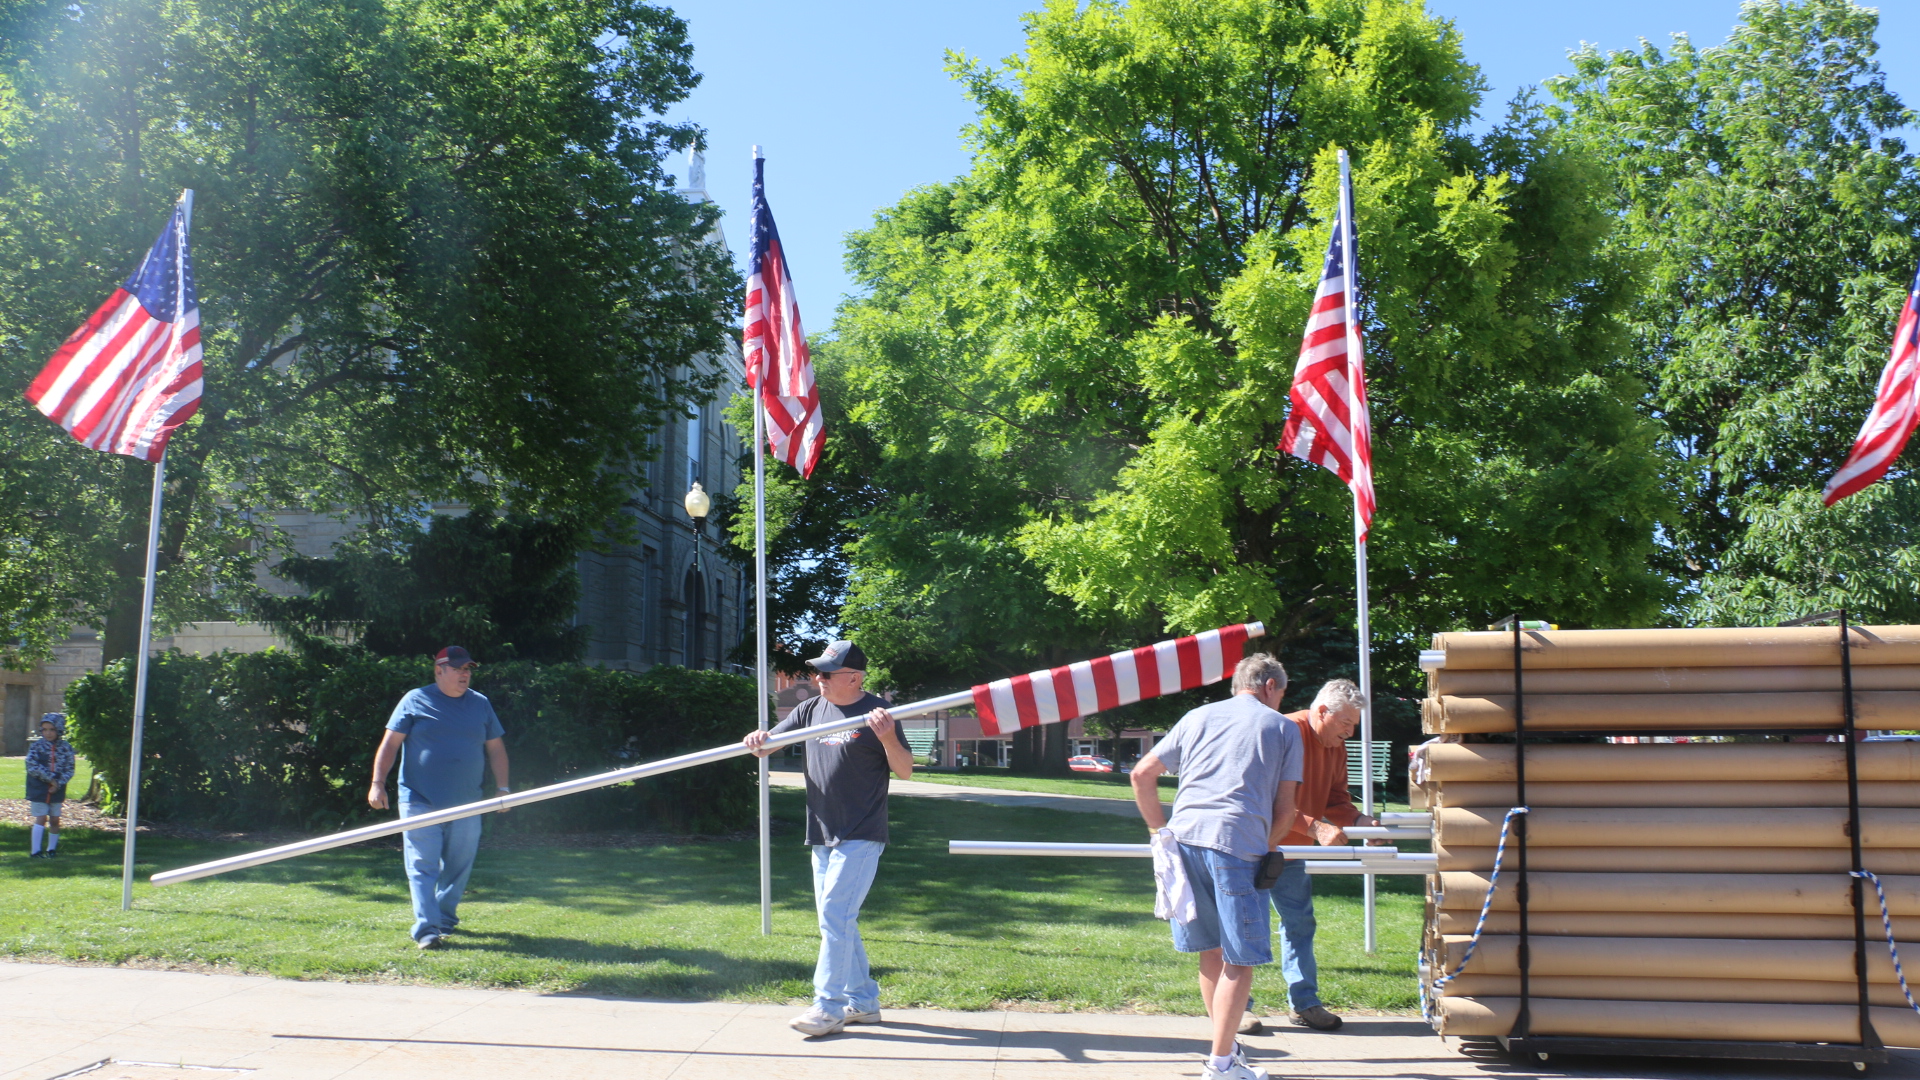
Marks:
<point>1089,763</point>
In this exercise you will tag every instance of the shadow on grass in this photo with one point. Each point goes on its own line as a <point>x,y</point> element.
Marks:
<point>651,971</point>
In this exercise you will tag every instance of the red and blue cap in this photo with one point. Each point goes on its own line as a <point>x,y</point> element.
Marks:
<point>453,656</point>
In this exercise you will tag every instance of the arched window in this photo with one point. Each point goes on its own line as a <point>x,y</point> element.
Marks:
<point>696,445</point>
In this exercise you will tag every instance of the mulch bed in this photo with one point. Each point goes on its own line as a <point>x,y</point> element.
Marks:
<point>77,815</point>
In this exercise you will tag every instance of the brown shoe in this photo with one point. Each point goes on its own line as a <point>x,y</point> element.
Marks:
<point>1250,1025</point>
<point>1318,1018</point>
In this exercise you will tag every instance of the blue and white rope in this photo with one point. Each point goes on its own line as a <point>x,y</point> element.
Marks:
<point>1486,906</point>
<point>1886,920</point>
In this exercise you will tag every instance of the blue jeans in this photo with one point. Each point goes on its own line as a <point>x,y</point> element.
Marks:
<point>1229,913</point>
<point>841,877</point>
<point>1293,899</point>
<point>438,858</point>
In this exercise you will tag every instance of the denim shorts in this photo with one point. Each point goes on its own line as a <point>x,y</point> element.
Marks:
<point>40,809</point>
<point>1229,913</point>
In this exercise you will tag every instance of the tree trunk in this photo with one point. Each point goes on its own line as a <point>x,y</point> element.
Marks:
<point>120,631</point>
<point>1041,749</point>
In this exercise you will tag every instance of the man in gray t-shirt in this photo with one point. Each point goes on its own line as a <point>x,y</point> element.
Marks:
<point>1239,762</point>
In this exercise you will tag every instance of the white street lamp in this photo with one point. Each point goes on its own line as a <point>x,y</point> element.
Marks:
<point>698,503</point>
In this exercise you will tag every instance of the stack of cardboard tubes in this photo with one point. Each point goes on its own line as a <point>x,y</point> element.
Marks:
<point>1693,890</point>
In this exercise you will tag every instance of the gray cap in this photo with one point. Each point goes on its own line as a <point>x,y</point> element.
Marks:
<point>840,656</point>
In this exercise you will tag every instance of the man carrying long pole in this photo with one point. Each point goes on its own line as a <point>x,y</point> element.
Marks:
<point>786,416</point>
<point>123,383</point>
<point>847,776</point>
<point>1327,425</point>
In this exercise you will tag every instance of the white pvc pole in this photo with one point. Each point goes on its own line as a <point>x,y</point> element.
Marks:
<point>760,639</point>
<point>568,787</point>
<point>1351,257</point>
<point>1318,860</point>
<point>541,794</point>
<point>140,685</point>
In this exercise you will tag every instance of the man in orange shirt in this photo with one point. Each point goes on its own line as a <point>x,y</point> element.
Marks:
<point>1324,808</point>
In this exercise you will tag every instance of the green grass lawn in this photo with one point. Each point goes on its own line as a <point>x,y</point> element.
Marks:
<point>682,922</point>
<point>13,778</point>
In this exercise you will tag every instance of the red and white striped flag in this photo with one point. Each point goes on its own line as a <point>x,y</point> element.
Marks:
<point>1896,409</point>
<point>1048,697</point>
<point>775,349</point>
<point>1327,416</point>
<point>131,374</point>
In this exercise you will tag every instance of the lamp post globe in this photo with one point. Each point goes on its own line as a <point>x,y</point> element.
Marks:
<point>698,503</point>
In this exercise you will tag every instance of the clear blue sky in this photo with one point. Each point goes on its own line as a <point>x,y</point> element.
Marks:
<point>853,107</point>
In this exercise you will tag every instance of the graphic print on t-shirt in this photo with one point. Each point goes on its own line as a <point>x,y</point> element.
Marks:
<point>846,774</point>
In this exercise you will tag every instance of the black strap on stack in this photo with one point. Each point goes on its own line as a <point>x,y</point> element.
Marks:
<point>1522,1023</point>
<point>1868,1037</point>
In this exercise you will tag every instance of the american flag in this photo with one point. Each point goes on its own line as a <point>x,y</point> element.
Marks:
<point>1327,419</point>
<point>1062,693</point>
<point>776,348</point>
<point>131,374</point>
<point>1896,408</point>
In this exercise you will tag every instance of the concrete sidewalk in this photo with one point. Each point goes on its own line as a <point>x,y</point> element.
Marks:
<point>163,1025</point>
<point>1083,804</point>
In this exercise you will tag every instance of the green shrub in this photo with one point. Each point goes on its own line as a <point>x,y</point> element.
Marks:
<point>273,739</point>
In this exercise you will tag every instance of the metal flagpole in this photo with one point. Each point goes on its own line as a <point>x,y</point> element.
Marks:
<point>760,635</point>
<point>140,685</point>
<point>143,661</point>
<point>1349,259</point>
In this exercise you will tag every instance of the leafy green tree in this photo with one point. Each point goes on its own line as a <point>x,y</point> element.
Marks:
<point>1771,215</point>
<point>506,588</point>
<point>436,253</point>
<point>1072,363</point>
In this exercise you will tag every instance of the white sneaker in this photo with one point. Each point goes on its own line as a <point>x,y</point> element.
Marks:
<point>817,1021</point>
<point>858,1017</point>
<point>1239,1070</point>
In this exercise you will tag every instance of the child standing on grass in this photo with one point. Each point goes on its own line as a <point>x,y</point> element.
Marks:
<point>49,767</point>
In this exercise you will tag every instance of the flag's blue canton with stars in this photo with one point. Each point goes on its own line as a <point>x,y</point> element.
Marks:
<point>130,375</point>
<point>164,282</point>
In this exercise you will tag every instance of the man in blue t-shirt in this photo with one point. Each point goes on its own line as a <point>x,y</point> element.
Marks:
<point>446,736</point>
